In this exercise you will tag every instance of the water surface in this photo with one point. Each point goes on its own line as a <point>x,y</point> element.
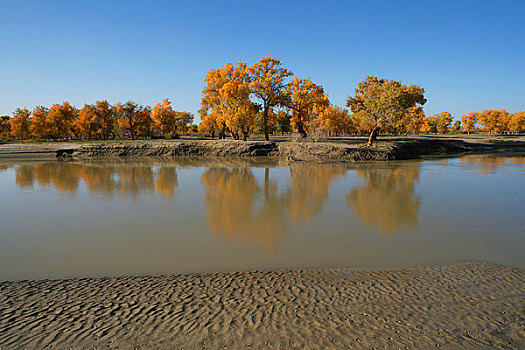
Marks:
<point>164,215</point>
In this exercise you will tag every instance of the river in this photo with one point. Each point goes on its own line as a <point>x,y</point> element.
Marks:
<point>142,216</point>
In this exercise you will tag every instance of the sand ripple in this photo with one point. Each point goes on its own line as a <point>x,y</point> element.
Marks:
<point>473,305</point>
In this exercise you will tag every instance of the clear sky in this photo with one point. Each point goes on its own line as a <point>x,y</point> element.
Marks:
<point>467,55</point>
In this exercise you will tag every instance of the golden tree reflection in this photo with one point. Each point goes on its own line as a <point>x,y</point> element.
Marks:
<point>24,176</point>
<point>166,182</point>
<point>489,164</point>
<point>270,219</point>
<point>126,180</point>
<point>387,199</point>
<point>309,188</point>
<point>239,208</point>
<point>231,209</point>
<point>62,176</point>
<point>134,180</point>
<point>99,179</point>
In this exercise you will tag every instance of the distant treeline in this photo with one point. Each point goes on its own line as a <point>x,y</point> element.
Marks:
<point>100,121</point>
<point>263,98</point>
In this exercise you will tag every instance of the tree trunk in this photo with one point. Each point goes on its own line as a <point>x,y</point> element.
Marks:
<point>265,122</point>
<point>131,128</point>
<point>222,132</point>
<point>373,135</point>
<point>301,130</point>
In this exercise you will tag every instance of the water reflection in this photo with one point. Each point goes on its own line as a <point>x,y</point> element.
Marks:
<point>231,209</point>
<point>24,176</point>
<point>166,182</point>
<point>238,206</point>
<point>126,180</point>
<point>487,164</point>
<point>309,188</point>
<point>151,215</point>
<point>387,200</point>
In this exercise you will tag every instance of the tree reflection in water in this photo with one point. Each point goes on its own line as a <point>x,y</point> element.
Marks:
<point>489,164</point>
<point>107,179</point>
<point>387,200</point>
<point>232,196</point>
<point>238,206</point>
<point>24,176</point>
<point>309,188</point>
<point>230,206</point>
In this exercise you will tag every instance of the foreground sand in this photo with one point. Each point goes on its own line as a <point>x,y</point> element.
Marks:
<point>472,305</point>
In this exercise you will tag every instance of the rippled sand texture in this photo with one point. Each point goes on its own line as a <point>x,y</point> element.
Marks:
<point>475,305</point>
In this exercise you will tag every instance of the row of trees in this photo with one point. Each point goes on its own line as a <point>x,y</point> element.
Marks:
<point>241,99</point>
<point>265,97</point>
<point>414,121</point>
<point>494,121</point>
<point>262,98</point>
<point>100,120</point>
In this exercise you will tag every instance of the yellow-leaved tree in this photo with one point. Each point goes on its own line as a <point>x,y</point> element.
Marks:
<point>362,122</point>
<point>106,119</point>
<point>268,84</point>
<point>440,122</point>
<point>39,123</point>
<point>517,122</point>
<point>383,101</point>
<point>133,119</point>
<point>20,123</point>
<point>87,124</point>
<point>333,120</point>
<point>227,95</point>
<point>469,121</point>
<point>305,98</point>
<point>4,127</point>
<point>457,126</point>
<point>495,120</point>
<point>415,121</point>
<point>61,118</point>
<point>165,118</point>
<point>183,121</point>
<point>208,123</point>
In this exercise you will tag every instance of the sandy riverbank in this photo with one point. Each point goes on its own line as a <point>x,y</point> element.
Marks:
<point>352,149</point>
<point>472,305</point>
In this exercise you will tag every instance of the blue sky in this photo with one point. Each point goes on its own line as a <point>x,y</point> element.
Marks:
<point>468,55</point>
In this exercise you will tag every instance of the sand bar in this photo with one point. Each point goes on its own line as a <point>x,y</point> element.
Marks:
<point>336,149</point>
<point>472,305</point>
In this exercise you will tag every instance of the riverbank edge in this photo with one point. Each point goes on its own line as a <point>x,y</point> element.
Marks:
<point>322,151</point>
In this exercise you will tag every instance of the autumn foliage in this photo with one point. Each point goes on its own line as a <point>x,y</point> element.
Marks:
<point>240,100</point>
<point>19,124</point>
<point>98,121</point>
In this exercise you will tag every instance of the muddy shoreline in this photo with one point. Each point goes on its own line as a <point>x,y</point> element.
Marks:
<point>326,150</point>
<point>462,305</point>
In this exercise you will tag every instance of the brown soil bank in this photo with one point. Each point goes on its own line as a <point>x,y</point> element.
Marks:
<point>328,150</point>
<point>475,306</point>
